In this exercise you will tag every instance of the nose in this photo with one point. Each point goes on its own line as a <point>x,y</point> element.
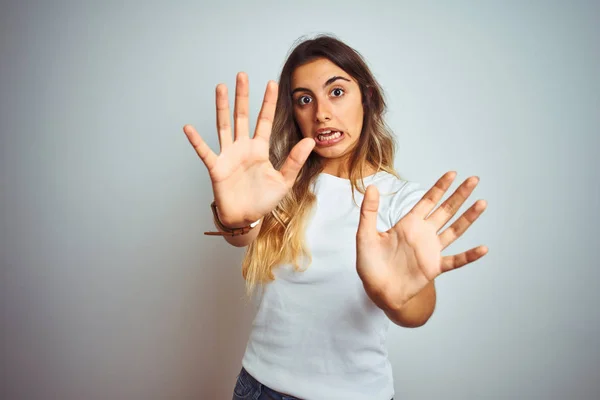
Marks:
<point>323,111</point>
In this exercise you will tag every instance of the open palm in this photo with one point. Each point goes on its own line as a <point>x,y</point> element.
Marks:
<point>396,265</point>
<point>245,184</point>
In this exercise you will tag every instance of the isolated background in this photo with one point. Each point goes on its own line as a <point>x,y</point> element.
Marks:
<point>110,290</point>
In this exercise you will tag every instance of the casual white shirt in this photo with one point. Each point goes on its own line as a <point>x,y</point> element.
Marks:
<point>317,335</point>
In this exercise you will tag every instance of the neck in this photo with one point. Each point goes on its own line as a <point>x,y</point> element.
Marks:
<point>341,170</point>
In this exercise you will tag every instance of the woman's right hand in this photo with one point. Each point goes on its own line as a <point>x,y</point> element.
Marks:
<point>246,186</point>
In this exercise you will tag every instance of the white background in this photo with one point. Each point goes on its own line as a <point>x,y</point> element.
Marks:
<point>110,290</point>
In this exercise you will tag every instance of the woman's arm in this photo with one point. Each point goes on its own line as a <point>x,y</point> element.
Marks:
<point>417,311</point>
<point>241,240</point>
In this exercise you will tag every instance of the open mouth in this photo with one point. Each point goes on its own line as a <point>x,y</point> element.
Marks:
<point>329,137</point>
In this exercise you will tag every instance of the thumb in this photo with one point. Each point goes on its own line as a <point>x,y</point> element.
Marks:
<point>296,159</point>
<point>367,225</point>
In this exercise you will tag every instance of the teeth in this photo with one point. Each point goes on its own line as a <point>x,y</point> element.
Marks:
<point>326,135</point>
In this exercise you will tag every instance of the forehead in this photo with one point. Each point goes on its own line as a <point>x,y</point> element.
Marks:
<point>315,73</point>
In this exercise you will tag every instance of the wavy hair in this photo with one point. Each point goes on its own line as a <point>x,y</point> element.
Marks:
<point>281,237</point>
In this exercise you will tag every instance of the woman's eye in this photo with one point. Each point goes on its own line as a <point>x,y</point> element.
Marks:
<point>302,98</point>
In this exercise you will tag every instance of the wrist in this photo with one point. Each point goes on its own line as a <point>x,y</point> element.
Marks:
<point>231,225</point>
<point>225,229</point>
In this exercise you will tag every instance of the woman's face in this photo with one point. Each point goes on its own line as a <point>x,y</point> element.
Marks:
<point>328,108</point>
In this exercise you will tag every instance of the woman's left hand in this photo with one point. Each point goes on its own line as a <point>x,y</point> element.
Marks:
<point>396,265</point>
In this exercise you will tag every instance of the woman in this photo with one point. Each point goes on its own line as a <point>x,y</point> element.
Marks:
<point>336,261</point>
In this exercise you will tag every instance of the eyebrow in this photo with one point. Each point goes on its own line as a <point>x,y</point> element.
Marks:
<point>329,82</point>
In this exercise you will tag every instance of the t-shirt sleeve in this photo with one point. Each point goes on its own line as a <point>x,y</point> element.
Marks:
<point>404,200</point>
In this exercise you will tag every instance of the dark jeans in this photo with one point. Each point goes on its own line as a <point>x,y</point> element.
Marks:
<point>248,388</point>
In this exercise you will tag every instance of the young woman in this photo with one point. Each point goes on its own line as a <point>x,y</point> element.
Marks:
<point>339,243</point>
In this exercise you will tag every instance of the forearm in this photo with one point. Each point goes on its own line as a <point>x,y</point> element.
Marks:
<point>417,311</point>
<point>242,240</point>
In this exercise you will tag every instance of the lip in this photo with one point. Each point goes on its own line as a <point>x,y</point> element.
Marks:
<point>331,142</point>
<point>328,128</point>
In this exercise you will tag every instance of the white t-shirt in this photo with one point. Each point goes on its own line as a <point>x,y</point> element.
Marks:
<point>317,335</point>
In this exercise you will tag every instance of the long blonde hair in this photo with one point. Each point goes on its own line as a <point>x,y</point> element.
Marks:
<point>281,238</point>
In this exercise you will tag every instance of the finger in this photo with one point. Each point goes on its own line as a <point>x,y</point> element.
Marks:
<point>433,195</point>
<point>264,124</point>
<point>223,122</point>
<point>206,154</point>
<point>240,111</point>
<point>450,263</point>
<point>452,204</point>
<point>454,231</point>
<point>367,225</point>
<point>296,160</point>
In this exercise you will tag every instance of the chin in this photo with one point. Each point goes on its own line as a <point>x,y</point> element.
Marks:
<point>331,153</point>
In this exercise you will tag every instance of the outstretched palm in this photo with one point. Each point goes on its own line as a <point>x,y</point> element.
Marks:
<point>396,265</point>
<point>245,184</point>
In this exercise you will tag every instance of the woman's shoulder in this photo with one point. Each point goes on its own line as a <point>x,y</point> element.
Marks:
<point>399,193</point>
<point>385,179</point>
